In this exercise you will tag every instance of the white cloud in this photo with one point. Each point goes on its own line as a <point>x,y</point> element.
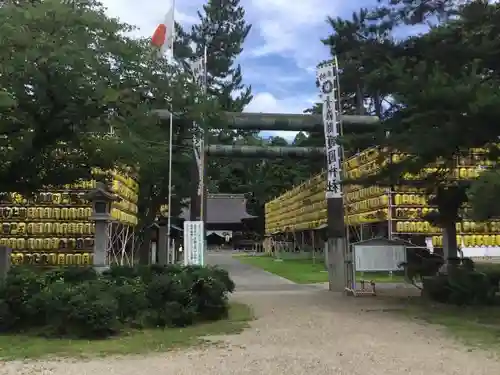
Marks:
<point>274,78</point>
<point>288,28</point>
<point>266,102</point>
<point>293,28</point>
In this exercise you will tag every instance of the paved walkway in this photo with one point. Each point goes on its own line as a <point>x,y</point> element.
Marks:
<point>251,279</point>
<point>299,330</point>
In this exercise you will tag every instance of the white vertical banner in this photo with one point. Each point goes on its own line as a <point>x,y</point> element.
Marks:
<point>193,243</point>
<point>327,80</point>
<point>198,71</point>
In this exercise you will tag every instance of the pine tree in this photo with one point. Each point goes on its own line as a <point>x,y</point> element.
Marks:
<point>223,30</point>
<point>451,108</point>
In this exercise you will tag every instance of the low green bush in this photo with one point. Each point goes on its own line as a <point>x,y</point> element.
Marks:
<point>209,285</point>
<point>463,286</point>
<point>71,275</point>
<point>86,310</point>
<point>78,302</point>
<point>131,299</point>
<point>19,287</point>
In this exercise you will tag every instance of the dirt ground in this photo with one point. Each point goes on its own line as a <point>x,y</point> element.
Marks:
<point>301,331</point>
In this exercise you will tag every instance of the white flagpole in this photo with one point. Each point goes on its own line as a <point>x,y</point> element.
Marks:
<point>202,151</point>
<point>170,144</point>
<point>204,196</point>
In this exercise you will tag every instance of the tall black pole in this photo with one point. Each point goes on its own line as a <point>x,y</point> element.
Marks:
<point>336,246</point>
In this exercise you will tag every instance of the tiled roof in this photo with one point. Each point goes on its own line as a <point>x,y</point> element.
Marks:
<point>223,209</point>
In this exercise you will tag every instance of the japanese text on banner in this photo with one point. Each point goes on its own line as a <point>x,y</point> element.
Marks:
<point>327,81</point>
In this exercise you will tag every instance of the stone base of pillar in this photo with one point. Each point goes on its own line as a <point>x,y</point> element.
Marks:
<point>335,263</point>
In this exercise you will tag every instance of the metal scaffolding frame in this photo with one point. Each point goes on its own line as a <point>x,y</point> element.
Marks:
<point>120,244</point>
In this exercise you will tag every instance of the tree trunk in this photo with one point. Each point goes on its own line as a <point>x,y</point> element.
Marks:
<point>450,245</point>
<point>149,209</point>
<point>145,249</point>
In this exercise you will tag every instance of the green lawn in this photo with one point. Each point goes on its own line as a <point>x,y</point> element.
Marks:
<point>304,271</point>
<point>133,342</point>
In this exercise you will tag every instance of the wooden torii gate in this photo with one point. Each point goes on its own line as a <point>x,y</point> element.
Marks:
<point>337,242</point>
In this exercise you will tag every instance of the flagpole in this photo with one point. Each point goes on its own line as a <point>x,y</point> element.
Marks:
<point>202,151</point>
<point>170,146</point>
<point>204,191</point>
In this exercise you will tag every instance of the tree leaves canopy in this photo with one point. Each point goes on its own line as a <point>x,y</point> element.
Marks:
<point>443,86</point>
<point>76,93</point>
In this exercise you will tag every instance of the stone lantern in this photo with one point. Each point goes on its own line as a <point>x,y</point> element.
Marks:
<point>101,199</point>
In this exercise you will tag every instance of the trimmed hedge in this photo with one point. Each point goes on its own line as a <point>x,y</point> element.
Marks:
<point>77,302</point>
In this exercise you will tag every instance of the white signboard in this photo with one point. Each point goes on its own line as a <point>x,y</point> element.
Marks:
<point>379,258</point>
<point>327,80</point>
<point>194,243</point>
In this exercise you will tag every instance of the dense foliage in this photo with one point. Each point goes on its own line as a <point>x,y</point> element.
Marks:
<point>465,285</point>
<point>483,196</point>
<point>76,94</point>
<point>77,302</point>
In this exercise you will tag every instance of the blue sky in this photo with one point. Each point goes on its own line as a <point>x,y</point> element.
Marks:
<point>280,53</point>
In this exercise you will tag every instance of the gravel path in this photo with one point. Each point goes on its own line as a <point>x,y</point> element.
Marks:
<point>304,330</point>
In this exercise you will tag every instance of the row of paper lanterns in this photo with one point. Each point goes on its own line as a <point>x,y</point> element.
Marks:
<point>367,217</point>
<point>48,243</point>
<point>52,259</point>
<point>124,217</point>
<point>368,204</point>
<point>63,214</point>
<point>312,216</point>
<point>46,213</point>
<point>315,200</point>
<point>37,228</point>
<point>366,162</point>
<point>270,229</point>
<point>56,197</point>
<point>364,193</point>
<point>475,240</point>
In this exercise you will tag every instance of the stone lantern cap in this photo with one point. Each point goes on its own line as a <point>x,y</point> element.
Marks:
<point>101,193</point>
<point>101,199</point>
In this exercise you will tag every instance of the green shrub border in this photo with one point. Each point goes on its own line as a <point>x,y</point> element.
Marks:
<point>78,302</point>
